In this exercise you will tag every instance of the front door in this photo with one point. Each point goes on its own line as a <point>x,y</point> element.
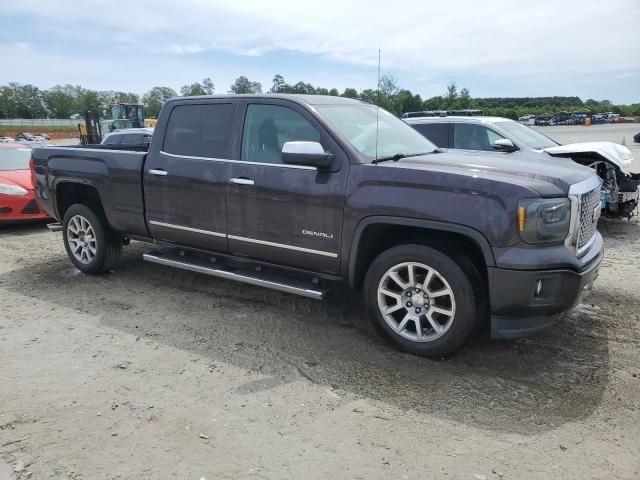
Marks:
<point>475,138</point>
<point>185,179</point>
<point>285,214</point>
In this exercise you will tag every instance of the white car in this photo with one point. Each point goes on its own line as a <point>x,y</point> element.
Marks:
<point>502,136</point>
<point>129,136</point>
<point>7,140</point>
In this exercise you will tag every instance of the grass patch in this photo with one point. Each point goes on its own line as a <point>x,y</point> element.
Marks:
<point>38,128</point>
<point>54,131</point>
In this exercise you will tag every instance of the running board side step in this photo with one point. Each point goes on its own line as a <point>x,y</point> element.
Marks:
<point>259,279</point>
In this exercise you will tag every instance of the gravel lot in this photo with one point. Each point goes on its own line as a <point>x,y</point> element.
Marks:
<point>153,373</point>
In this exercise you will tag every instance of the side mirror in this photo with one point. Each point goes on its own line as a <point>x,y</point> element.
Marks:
<point>310,154</point>
<point>504,145</point>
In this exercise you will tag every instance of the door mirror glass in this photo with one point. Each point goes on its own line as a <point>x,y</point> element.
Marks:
<point>306,153</point>
<point>504,145</point>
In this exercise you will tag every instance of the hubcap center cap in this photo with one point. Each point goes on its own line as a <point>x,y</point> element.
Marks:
<point>418,300</point>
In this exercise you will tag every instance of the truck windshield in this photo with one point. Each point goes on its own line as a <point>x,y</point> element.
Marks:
<point>527,135</point>
<point>14,158</point>
<point>358,124</point>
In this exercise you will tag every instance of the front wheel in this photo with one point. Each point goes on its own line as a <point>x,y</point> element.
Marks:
<point>421,300</point>
<point>90,243</point>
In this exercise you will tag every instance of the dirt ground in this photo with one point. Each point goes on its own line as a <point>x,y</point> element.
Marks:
<point>154,373</point>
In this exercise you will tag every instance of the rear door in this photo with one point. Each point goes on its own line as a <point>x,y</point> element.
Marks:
<point>285,214</point>
<point>437,133</point>
<point>185,175</point>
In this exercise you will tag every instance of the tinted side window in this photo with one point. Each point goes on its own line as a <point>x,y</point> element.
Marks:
<point>493,136</point>
<point>199,130</point>
<point>132,139</point>
<point>438,133</point>
<point>113,140</point>
<point>469,136</point>
<point>268,127</point>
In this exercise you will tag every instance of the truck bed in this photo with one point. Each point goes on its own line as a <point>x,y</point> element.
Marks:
<point>116,174</point>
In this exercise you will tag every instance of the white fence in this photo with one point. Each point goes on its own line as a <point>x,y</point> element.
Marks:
<point>18,122</point>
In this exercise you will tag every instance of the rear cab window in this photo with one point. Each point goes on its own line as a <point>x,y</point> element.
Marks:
<point>200,130</point>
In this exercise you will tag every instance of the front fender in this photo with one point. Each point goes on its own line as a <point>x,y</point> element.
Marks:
<point>475,236</point>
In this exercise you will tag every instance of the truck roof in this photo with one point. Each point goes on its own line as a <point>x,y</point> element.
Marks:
<point>299,98</point>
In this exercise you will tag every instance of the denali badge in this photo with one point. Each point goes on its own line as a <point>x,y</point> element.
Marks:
<point>317,234</point>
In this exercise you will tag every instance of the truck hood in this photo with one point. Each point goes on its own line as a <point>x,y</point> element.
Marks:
<point>549,177</point>
<point>618,155</point>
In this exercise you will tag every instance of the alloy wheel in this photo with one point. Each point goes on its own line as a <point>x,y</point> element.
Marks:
<point>416,301</point>
<point>81,239</point>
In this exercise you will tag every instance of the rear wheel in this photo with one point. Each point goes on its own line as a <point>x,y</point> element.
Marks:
<point>91,245</point>
<point>421,300</point>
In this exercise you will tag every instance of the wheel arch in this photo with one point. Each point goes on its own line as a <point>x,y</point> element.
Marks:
<point>68,192</point>
<point>378,233</point>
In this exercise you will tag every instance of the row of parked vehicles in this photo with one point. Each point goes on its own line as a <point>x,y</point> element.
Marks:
<point>572,118</point>
<point>444,223</point>
<point>26,137</point>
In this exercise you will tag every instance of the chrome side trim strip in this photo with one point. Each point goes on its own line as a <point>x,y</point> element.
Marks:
<point>243,162</point>
<point>281,245</point>
<point>244,239</point>
<point>239,277</point>
<point>188,229</point>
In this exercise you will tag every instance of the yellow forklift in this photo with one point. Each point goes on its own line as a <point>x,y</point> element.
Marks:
<point>124,115</point>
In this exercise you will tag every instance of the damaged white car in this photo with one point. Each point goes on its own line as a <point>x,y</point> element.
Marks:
<point>620,187</point>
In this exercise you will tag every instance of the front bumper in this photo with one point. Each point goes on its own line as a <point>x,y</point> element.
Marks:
<point>518,309</point>
<point>17,208</point>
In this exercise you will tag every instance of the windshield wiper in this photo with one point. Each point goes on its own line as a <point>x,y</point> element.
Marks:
<point>399,156</point>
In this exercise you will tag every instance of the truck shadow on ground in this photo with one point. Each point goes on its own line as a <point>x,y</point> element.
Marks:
<point>23,229</point>
<point>517,386</point>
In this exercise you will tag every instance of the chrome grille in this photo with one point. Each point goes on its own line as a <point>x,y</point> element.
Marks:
<point>588,218</point>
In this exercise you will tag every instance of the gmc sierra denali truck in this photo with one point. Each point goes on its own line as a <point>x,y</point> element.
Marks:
<point>295,192</point>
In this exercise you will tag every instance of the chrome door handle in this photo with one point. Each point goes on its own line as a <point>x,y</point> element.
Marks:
<point>158,172</point>
<point>241,181</point>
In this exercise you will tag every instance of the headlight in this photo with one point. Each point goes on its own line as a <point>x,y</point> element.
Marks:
<point>12,190</point>
<point>544,220</point>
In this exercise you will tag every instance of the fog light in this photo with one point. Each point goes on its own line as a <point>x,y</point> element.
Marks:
<point>538,290</point>
<point>5,210</point>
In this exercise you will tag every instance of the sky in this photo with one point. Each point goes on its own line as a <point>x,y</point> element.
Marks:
<point>495,48</point>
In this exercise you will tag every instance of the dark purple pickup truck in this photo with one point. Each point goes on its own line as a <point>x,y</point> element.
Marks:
<point>298,192</point>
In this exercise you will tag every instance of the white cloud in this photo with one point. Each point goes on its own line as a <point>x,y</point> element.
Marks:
<point>424,39</point>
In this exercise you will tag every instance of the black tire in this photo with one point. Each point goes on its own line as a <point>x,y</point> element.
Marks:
<point>108,244</point>
<point>464,318</point>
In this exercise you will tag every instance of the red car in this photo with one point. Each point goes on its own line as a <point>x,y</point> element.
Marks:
<point>17,199</point>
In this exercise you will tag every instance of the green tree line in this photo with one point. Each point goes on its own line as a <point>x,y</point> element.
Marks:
<point>62,101</point>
